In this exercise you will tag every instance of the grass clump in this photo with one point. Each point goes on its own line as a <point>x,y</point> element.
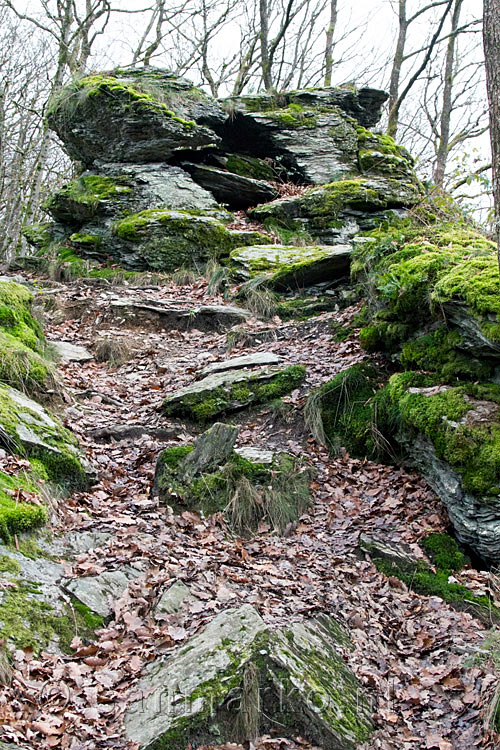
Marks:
<point>246,492</point>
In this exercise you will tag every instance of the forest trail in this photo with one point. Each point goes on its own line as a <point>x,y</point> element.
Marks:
<point>408,650</point>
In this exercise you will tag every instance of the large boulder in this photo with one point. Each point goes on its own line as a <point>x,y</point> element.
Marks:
<point>117,189</point>
<point>239,679</point>
<point>130,115</point>
<point>292,267</point>
<point>232,390</point>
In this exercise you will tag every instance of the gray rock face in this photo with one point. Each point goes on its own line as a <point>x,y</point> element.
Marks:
<point>101,591</point>
<point>364,104</point>
<point>116,189</point>
<point>225,392</point>
<point>171,317</point>
<point>68,352</point>
<point>314,147</point>
<point>473,339</point>
<point>211,449</point>
<point>476,520</point>
<point>130,116</point>
<point>231,189</point>
<point>198,695</point>
<point>237,363</point>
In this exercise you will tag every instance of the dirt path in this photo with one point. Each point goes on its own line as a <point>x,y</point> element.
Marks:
<point>415,655</point>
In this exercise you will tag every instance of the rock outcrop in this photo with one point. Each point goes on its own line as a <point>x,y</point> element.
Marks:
<point>239,678</point>
<point>163,160</point>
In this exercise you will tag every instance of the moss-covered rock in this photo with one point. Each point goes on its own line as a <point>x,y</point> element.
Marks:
<point>129,115</point>
<point>34,612</point>
<point>247,166</point>
<point>291,267</point>
<point>231,391</point>
<point>166,240</point>
<point>214,682</point>
<point>323,211</point>
<point>211,477</point>
<point>29,430</point>
<point>22,344</point>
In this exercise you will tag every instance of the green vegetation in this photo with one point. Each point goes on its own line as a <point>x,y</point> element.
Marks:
<point>250,166</point>
<point>16,514</point>
<point>447,559</point>
<point>295,116</point>
<point>246,492</point>
<point>203,406</point>
<point>21,341</point>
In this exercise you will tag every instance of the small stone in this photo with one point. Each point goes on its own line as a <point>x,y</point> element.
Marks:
<point>68,352</point>
<point>173,598</point>
<point>248,360</point>
<point>100,592</point>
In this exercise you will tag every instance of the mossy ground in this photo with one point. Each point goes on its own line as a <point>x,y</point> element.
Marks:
<point>447,560</point>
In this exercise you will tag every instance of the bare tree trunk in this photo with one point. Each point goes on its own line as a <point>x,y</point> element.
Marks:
<point>447,106</point>
<point>329,43</point>
<point>397,63</point>
<point>264,45</point>
<point>491,40</point>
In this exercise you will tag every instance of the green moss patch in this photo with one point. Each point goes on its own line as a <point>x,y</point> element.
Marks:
<point>84,196</point>
<point>16,513</point>
<point>447,559</point>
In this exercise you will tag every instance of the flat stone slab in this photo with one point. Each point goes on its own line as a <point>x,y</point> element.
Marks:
<point>68,352</point>
<point>231,189</point>
<point>174,317</point>
<point>293,267</point>
<point>255,455</point>
<point>173,598</point>
<point>232,390</point>
<point>196,695</point>
<point>101,591</point>
<point>248,360</point>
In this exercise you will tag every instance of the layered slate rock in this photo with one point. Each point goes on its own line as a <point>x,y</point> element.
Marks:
<point>173,317</point>
<point>226,392</point>
<point>313,134</point>
<point>231,189</point>
<point>258,359</point>
<point>27,428</point>
<point>203,693</point>
<point>339,210</point>
<point>246,486</point>
<point>130,116</point>
<point>68,352</point>
<point>292,267</point>
<point>118,189</point>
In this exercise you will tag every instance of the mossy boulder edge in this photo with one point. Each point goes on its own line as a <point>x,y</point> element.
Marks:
<point>226,392</point>
<point>198,695</point>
